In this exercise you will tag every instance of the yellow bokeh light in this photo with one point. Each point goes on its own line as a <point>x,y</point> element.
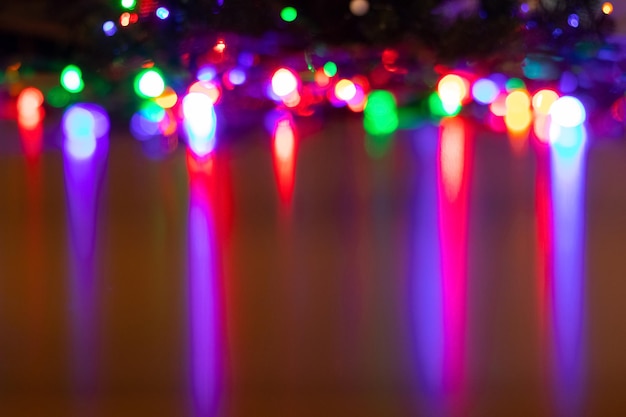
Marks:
<point>543,99</point>
<point>517,101</point>
<point>345,90</point>
<point>607,7</point>
<point>453,89</point>
<point>518,121</point>
<point>168,99</point>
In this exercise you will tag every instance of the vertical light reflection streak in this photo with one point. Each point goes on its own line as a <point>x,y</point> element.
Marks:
<point>31,136</point>
<point>568,203</point>
<point>203,287</point>
<point>83,178</point>
<point>440,269</point>
<point>427,281</point>
<point>453,195</point>
<point>284,154</point>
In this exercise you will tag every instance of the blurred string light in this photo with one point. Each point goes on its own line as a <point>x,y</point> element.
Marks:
<point>29,110</point>
<point>125,19</point>
<point>128,4</point>
<point>168,99</point>
<point>607,8</point>
<point>206,73</point>
<point>72,79</point>
<point>330,69</point>
<point>288,14</point>
<point>83,124</point>
<point>345,90</point>
<point>200,123</point>
<point>543,100</point>
<point>162,13</point>
<point>515,84</point>
<point>568,111</point>
<point>573,20</point>
<point>109,28</point>
<point>518,117</point>
<point>452,90</point>
<point>359,7</point>
<point>149,83</point>
<point>485,91</point>
<point>381,113</point>
<point>208,88</point>
<point>284,82</point>
<point>236,76</point>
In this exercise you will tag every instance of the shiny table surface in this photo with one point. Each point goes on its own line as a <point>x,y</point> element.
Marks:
<point>455,274</point>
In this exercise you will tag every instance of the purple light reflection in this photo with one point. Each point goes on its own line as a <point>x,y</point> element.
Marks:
<point>203,290</point>
<point>568,203</point>
<point>83,178</point>
<point>427,296</point>
<point>439,284</point>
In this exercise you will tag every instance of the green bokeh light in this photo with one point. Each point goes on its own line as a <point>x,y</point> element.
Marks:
<point>381,113</point>
<point>128,4</point>
<point>288,14</point>
<point>72,79</point>
<point>149,83</point>
<point>330,69</point>
<point>515,84</point>
<point>436,107</point>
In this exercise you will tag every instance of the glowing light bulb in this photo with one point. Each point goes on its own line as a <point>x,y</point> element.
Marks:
<point>168,99</point>
<point>607,7</point>
<point>71,79</point>
<point>568,111</point>
<point>82,125</point>
<point>128,4</point>
<point>359,7</point>
<point>543,99</point>
<point>288,14</point>
<point>236,76</point>
<point>200,123</point>
<point>149,84</point>
<point>29,101</point>
<point>517,100</point>
<point>109,28</point>
<point>162,13</point>
<point>345,90</point>
<point>284,82</point>
<point>125,19</point>
<point>207,88</point>
<point>485,91</point>
<point>381,113</point>
<point>330,69</point>
<point>452,90</point>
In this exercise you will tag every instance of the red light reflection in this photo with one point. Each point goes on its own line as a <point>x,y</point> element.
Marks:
<point>284,150</point>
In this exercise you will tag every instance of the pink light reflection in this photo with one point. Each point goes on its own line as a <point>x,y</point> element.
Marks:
<point>204,286</point>
<point>453,179</point>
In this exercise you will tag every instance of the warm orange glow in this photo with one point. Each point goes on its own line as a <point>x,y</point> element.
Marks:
<point>543,99</point>
<point>208,89</point>
<point>125,19</point>
<point>220,46</point>
<point>452,156</point>
<point>607,8</point>
<point>345,90</point>
<point>518,122</point>
<point>321,78</point>
<point>168,99</point>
